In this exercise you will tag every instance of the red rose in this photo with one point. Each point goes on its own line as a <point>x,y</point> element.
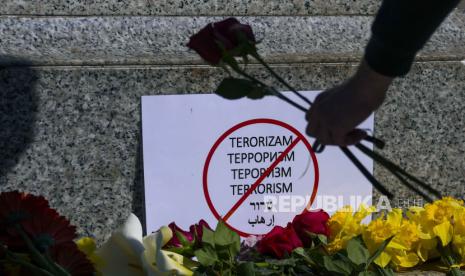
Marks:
<point>279,241</point>
<point>226,33</point>
<point>313,222</point>
<point>196,230</point>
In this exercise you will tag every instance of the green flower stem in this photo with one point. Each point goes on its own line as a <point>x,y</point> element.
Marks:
<point>279,78</point>
<point>396,169</point>
<point>366,173</point>
<point>12,258</point>
<point>57,267</point>
<point>270,89</point>
<point>41,260</point>
<point>35,269</point>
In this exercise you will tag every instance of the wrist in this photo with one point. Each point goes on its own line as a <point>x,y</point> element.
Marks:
<point>370,86</point>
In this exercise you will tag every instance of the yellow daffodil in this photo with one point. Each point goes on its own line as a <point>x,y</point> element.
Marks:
<point>381,229</point>
<point>458,240</point>
<point>404,245</point>
<point>345,225</point>
<point>437,222</point>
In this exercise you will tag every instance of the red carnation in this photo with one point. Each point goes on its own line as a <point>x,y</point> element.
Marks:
<point>175,242</point>
<point>279,241</point>
<point>226,35</point>
<point>313,222</point>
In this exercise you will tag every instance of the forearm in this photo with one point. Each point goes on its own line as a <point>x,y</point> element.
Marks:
<point>400,30</point>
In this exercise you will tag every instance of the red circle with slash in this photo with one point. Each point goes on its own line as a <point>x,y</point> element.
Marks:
<point>300,138</point>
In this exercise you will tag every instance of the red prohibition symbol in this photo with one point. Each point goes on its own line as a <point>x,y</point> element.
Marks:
<point>300,138</point>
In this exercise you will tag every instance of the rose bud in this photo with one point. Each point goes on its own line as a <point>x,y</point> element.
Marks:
<point>196,230</point>
<point>279,241</point>
<point>227,33</point>
<point>175,242</point>
<point>311,221</point>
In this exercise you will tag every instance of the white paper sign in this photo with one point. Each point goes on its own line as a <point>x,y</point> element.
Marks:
<point>247,162</point>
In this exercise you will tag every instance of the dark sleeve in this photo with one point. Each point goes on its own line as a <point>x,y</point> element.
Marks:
<point>400,30</point>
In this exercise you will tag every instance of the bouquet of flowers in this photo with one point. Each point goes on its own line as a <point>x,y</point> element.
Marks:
<point>36,240</point>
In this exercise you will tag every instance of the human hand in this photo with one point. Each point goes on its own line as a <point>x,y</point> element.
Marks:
<point>337,111</point>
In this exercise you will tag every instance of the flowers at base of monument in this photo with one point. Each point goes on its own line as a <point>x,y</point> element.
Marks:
<point>35,239</point>
<point>420,235</point>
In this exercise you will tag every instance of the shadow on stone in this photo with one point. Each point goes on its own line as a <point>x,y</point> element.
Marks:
<point>138,195</point>
<point>18,109</point>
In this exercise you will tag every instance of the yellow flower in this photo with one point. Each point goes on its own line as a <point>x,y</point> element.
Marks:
<point>379,230</point>
<point>345,225</point>
<point>407,237</point>
<point>88,247</point>
<point>403,247</point>
<point>458,240</point>
<point>405,259</point>
<point>442,210</point>
<point>437,219</point>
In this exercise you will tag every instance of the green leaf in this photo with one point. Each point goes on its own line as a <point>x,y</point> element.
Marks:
<point>384,271</point>
<point>233,88</point>
<point>282,262</point>
<point>208,236</point>
<point>357,252</point>
<point>378,252</point>
<point>323,239</point>
<point>206,255</point>
<point>246,269</point>
<point>182,239</point>
<point>226,237</point>
<point>337,266</point>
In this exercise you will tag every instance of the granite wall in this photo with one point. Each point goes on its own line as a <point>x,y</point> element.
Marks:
<point>73,73</point>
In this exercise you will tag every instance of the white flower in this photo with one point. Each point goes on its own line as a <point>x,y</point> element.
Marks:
<point>127,253</point>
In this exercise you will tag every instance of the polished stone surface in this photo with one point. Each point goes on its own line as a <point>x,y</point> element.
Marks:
<point>162,40</point>
<point>72,133</point>
<point>188,7</point>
